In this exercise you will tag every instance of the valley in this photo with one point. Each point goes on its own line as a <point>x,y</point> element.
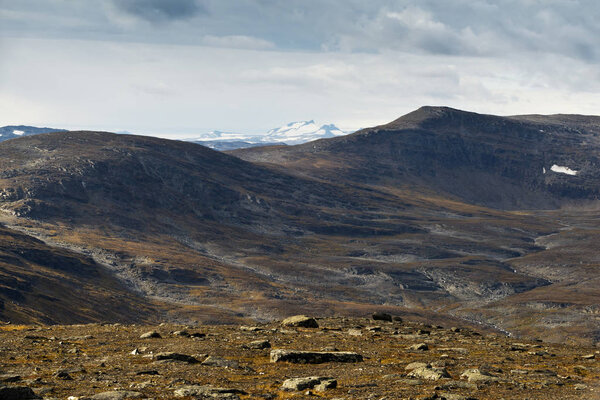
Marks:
<point>442,216</point>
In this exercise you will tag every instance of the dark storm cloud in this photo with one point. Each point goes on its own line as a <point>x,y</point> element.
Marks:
<point>501,28</point>
<point>160,10</point>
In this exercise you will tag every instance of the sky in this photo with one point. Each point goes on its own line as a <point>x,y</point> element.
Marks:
<point>179,68</point>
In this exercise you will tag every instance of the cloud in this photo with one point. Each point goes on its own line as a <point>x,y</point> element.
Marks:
<point>187,66</point>
<point>237,42</point>
<point>160,10</point>
<point>504,28</point>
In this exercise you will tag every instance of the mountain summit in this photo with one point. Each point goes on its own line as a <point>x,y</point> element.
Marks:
<point>502,162</point>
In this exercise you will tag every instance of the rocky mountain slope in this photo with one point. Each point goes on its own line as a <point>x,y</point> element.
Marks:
<point>45,284</point>
<point>371,221</point>
<point>518,162</point>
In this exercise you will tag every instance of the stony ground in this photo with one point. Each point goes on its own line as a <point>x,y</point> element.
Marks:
<point>400,360</point>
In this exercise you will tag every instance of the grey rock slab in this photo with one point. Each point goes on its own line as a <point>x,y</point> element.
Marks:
<point>117,395</point>
<point>258,344</point>
<point>150,335</point>
<point>476,376</point>
<point>458,385</point>
<point>453,396</point>
<point>301,321</point>
<point>419,347</point>
<point>175,357</point>
<point>207,391</point>
<point>460,350</point>
<point>312,382</point>
<point>215,361</point>
<point>250,328</point>
<point>415,365</point>
<point>314,357</point>
<point>429,373</point>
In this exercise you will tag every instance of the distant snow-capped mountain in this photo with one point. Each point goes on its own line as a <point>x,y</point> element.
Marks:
<point>15,131</point>
<point>301,132</point>
<point>290,134</point>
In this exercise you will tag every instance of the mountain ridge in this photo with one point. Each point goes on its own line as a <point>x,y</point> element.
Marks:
<point>337,225</point>
<point>454,151</point>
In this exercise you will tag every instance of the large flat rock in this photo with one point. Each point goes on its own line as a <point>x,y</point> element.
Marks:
<point>314,357</point>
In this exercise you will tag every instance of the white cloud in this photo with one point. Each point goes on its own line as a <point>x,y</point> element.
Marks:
<point>237,42</point>
<point>251,65</point>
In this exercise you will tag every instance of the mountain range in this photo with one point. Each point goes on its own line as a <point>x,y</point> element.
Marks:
<point>290,134</point>
<point>440,214</point>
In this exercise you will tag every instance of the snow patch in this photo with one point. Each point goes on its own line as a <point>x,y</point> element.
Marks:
<point>18,133</point>
<point>563,170</point>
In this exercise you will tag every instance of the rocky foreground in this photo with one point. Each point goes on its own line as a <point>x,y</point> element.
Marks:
<point>342,358</point>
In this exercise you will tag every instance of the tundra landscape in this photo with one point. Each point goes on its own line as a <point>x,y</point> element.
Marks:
<point>441,218</point>
<point>334,199</point>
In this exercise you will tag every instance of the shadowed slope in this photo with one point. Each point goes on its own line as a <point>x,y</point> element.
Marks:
<point>500,162</point>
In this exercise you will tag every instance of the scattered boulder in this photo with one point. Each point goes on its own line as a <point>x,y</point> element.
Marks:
<point>215,361</point>
<point>207,391</point>
<point>354,332</point>
<point>64,375</point>
<point>258,344</point>
<point>117,395</point>
<point>301,321</point>
<point>182,333</point>
<point>313,382</point>
<point>148,372</point>
<point>419,347</point>
<point>17,393</point>
<point>460,350</point>
<point>314,357</point>
<point>476,376</point>
<point>381,316</point>
<point>250,328</point>
<point>415,365</point>
<point>458,385</point>
<point>452,396</point>
<point>429,373</point>
<point>175,357</point>
<point>589,357</point>
<point>150,335</point>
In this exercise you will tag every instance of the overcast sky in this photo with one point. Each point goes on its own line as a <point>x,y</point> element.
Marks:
<point>177,68</point>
